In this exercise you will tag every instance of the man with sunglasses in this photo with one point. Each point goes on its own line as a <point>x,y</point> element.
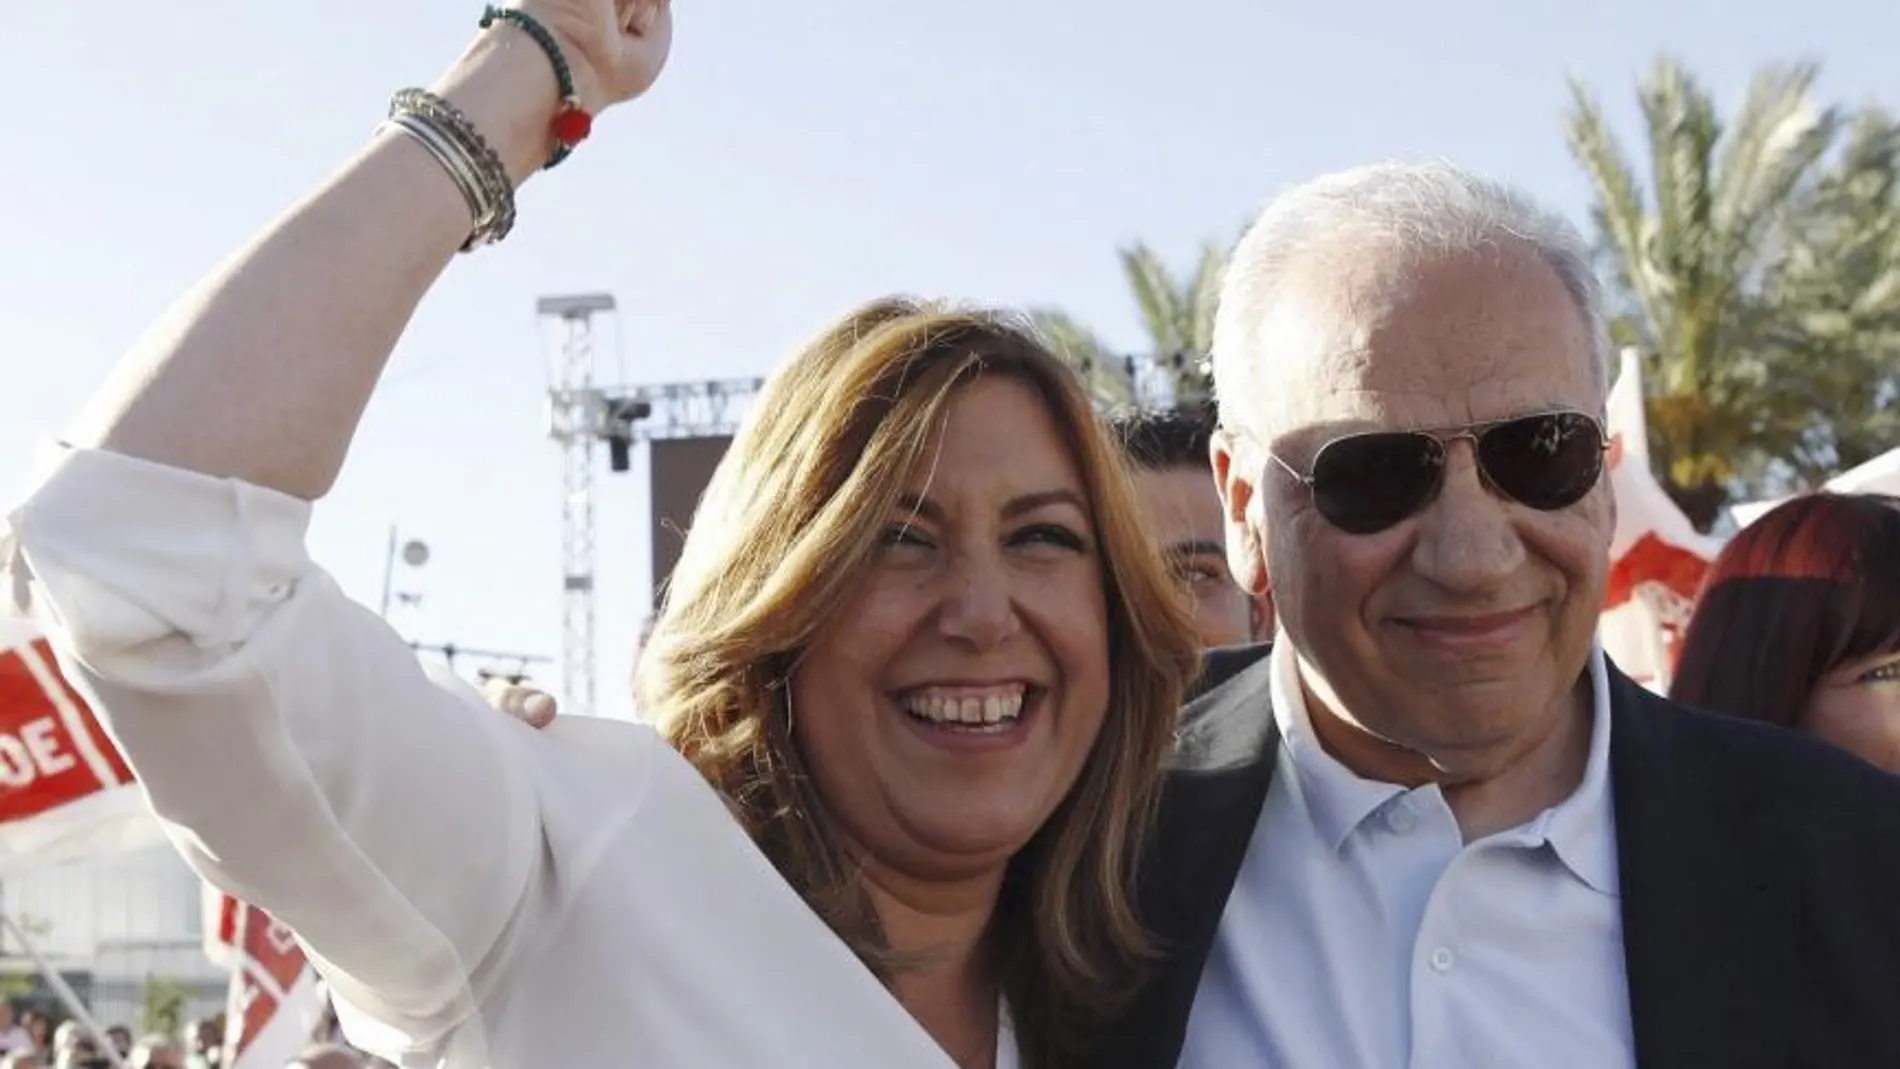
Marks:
<point>1434,826</point>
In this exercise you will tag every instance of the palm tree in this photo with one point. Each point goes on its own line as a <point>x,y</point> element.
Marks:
<point>1841,267</point>
<point>1743,275</point>
<point>1178,316</point>
<point>1111,378</point>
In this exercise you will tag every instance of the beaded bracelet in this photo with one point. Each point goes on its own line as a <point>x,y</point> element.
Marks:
<point>572,123</point>
<point>455,143</point>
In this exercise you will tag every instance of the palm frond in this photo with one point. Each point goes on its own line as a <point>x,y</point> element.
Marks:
<point>1157,297</point>
<point>1774,119</point>
<point>1772,153</point>
<point>1107,374</point>
<point>1622,217</point>
<point>1761,275</point>
<point>1682,127</point>
<point>1203,298</point>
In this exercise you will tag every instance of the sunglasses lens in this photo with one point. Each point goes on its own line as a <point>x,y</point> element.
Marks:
<point>1366,483</point>
<point>1548,462</point>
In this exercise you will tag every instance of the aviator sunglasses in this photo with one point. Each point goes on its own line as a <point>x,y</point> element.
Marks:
<point>1367,483</point>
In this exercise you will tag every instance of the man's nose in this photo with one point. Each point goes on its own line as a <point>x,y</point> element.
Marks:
<point>1466,541</point>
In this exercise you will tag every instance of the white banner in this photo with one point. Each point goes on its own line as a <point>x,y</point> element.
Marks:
<point>1657,558</point>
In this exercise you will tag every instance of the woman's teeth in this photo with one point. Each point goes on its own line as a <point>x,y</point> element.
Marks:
<point>964,709</point>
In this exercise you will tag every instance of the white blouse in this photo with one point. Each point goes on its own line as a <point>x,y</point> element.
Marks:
<point>476,892</point>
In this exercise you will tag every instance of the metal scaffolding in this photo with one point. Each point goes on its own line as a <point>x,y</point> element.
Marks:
<point>577,420</point>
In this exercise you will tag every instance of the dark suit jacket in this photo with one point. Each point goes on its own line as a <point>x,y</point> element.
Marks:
<point>1760,876</point>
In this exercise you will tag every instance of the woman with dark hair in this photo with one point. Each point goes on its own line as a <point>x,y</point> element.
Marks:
<point>1798,624</point>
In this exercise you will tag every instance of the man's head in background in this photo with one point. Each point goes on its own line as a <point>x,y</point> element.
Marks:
<point>327,1056</point>
<point>121,1038</point>
<point>156,1051</point>
<point>1174,477</point>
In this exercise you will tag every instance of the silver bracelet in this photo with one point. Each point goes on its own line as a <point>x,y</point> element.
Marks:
<point>458,168</point>
<point>462,151</point>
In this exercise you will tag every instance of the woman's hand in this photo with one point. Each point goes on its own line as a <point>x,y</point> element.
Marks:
<point>505,84</point>
<point>616,48</point>
<point>262,373</point>
<point>523,701</point>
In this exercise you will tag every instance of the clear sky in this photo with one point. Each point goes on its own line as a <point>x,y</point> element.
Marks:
<point>797,158</point>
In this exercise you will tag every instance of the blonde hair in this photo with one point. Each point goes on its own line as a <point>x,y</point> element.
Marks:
<point>796,507</point>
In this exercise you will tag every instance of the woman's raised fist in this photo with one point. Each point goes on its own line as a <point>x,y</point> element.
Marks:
<point>615,48</point>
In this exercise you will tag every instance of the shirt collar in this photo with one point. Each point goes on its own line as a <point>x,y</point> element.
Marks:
<point>1337,798</point>
<point>1580,830</point>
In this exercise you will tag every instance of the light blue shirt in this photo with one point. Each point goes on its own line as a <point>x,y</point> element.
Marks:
<point>1364,933</point>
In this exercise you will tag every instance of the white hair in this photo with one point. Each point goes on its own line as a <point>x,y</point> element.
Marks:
<point>1429,208</point>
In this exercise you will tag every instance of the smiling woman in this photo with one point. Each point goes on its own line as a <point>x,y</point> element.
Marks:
<point>919,639</point>
<point>914,680</point>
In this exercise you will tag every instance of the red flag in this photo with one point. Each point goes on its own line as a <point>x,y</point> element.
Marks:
<point>275,1001</point>
<point>65,791</point>
<point>52,750</point>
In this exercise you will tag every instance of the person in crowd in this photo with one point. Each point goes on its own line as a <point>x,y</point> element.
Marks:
<point>1174,482</point>
<point>205,1038</point>
<point>13,1034</point>
<point>24,1058</point>
<point>39,1029</point>
<point>1432,825</point>
<point>1798,624</point>
<point>81,1051</point>
<point>157,1052</point>
<point>65,1035</point>
<point>914,679</point>
<point>121,1039</point>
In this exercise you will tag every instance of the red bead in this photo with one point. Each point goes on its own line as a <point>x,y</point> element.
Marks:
<point>572,125</point>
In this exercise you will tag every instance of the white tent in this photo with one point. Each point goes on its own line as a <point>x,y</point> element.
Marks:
<point>1880,475</point>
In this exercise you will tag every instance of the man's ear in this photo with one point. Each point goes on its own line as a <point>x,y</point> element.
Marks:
<point>1260,615</point>
<point>1235,476</point>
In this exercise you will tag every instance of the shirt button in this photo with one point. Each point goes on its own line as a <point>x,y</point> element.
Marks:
<point>1443,959</point>
<point>1400,818</point>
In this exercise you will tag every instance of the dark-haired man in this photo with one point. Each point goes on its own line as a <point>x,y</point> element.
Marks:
<point>1174,478</point>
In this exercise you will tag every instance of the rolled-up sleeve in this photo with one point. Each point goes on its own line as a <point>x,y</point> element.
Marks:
<point>297,751</point>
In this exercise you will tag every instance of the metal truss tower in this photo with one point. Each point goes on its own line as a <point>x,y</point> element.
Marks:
<point>581,417</point>
<point>577,420</point>
<point>691,409</point>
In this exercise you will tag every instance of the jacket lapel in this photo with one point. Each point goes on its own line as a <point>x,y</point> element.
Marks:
<point>1707,921</point>
<point>1223,763</point>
